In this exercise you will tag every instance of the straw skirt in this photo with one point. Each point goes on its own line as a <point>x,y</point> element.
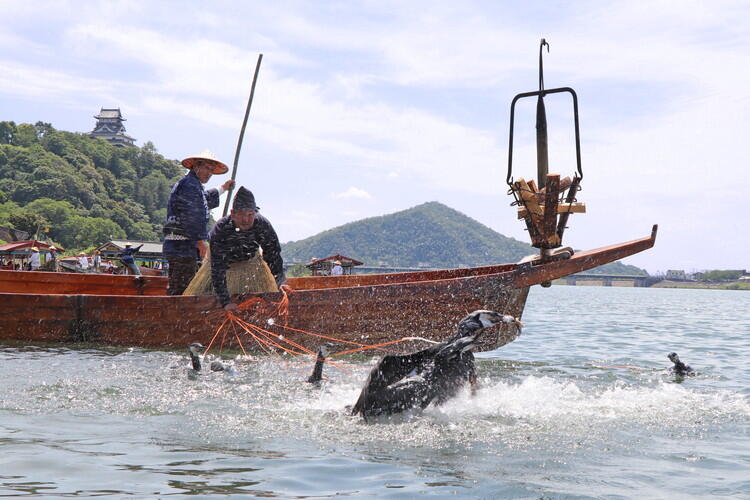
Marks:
<point>247,276</point>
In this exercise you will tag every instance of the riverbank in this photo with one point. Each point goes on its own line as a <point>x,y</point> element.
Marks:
<point>723,285</point>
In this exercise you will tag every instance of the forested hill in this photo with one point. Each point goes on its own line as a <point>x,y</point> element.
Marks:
<point>84,190</point>
<point>428,235</point>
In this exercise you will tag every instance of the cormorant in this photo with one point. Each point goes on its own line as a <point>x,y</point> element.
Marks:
<point>679,367</point>
<point>317,373</point>
<point>436,374</point>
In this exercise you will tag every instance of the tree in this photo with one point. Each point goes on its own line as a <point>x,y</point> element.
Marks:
<point>25,135</point>
<point>28,221</point>
<point>7,131</point>
<point>43,129</point>
<point>82,232</point>
<point>6,210</point>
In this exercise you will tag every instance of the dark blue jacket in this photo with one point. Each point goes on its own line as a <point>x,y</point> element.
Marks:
<point>229,245</point>
<point>187,215</point>
<point>127,254</point>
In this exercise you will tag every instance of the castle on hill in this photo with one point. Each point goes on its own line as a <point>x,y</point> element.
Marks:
<point>109,127</point>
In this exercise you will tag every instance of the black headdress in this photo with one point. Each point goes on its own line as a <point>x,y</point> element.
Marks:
<point>244,200</point>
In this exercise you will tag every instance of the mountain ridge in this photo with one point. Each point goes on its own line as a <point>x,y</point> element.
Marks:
<point>430,235</point>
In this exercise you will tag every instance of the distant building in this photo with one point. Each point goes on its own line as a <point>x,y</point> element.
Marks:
<point>109,127</point>
<point>676,275</point>
<point>322,267</point>
<point>151,251</point>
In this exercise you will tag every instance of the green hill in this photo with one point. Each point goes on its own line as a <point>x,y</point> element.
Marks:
<point>79,191</point>
<point>428,235</point>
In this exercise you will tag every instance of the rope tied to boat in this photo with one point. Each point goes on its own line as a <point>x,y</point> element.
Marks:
<point>240,328</point>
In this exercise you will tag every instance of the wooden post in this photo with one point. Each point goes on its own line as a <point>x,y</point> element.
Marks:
<point>550,210</point>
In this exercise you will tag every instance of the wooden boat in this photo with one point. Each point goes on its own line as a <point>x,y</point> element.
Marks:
<point>367,309</point>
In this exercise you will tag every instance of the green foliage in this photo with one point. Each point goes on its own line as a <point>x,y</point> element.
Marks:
<point>28,221</point>
<point>25,135</point>
<point>297,271</point>
<point>86,189</point>
<point>88,231</point>
<point>429,235</point>
<point>719,275</point>
<point>7,131</point>
<point>618,268</point>
<point>737,286</point>
<point>6,210</point>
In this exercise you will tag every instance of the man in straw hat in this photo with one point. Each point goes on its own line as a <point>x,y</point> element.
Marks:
<point>83,262</point>
<point>337,270</point>
<point>187,216</point>
<point>236,264</point>
<point>36,261</point>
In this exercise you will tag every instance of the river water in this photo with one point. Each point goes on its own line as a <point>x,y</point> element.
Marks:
<point>580,406</point>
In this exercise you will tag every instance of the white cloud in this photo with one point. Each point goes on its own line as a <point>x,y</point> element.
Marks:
<point>353,192</point>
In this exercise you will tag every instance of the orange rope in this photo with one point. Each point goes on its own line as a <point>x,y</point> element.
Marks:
<point>271,342</point>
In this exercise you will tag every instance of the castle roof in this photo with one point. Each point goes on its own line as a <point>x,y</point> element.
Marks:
<point>110,113</point>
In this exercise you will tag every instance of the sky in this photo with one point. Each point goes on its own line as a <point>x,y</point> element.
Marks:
<point>365,108</point>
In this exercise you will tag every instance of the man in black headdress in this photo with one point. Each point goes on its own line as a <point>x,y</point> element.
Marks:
<point>236,266</point>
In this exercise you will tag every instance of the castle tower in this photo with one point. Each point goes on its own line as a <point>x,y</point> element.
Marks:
<point>109,126</point>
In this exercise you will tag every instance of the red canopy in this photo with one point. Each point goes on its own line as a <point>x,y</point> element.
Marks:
<point>25,245</point>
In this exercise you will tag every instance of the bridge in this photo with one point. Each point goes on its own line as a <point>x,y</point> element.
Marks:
<point>607,279</point>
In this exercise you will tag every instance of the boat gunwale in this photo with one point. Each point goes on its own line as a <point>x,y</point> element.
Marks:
<point>629,247</point>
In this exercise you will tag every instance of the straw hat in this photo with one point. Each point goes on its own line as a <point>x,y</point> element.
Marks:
<point>34,249</point>
<point>218,167</point>
<point>52,248</point>
<point>337,262</point>
<point>82,254</point>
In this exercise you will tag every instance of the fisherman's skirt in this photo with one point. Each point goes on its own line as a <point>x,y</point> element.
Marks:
<point>247,276</point>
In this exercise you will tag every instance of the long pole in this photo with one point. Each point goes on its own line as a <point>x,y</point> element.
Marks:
<point>242,134</point>
<point>542,155</point>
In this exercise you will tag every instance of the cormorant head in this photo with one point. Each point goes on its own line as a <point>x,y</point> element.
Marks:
<point>673,357</point>
<point>480,319</point>
<point>195,349</point>
<point>326,349</point>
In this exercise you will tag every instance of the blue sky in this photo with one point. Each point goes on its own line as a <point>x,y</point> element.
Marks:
<point>366,108</point>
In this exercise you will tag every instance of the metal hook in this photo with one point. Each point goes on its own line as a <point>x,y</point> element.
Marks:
<point>541,70</point>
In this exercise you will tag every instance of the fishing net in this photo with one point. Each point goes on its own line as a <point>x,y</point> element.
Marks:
<point>248,276</point>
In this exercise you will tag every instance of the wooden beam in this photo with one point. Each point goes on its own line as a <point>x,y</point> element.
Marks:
<point>562,208</point>
<point>568,199</point>
<point>550,209</point>
<point>533,220</point>
<point>527,195</point>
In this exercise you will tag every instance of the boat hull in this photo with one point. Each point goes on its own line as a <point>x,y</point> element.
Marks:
<point>362,309</point>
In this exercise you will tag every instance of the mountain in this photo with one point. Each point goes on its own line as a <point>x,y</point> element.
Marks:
<point>428,235</point>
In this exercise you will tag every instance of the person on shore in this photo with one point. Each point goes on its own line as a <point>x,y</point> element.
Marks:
<point>127,258</point>
<point>337,270</point>
<point>83,262</point>
<point>187,217</point>
<point>236,264</point>
<point>52,259</point>
<point>97,261</point>
<point>35,262</point>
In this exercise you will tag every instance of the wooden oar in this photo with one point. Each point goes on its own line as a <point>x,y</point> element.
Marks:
<point>242,134</point>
